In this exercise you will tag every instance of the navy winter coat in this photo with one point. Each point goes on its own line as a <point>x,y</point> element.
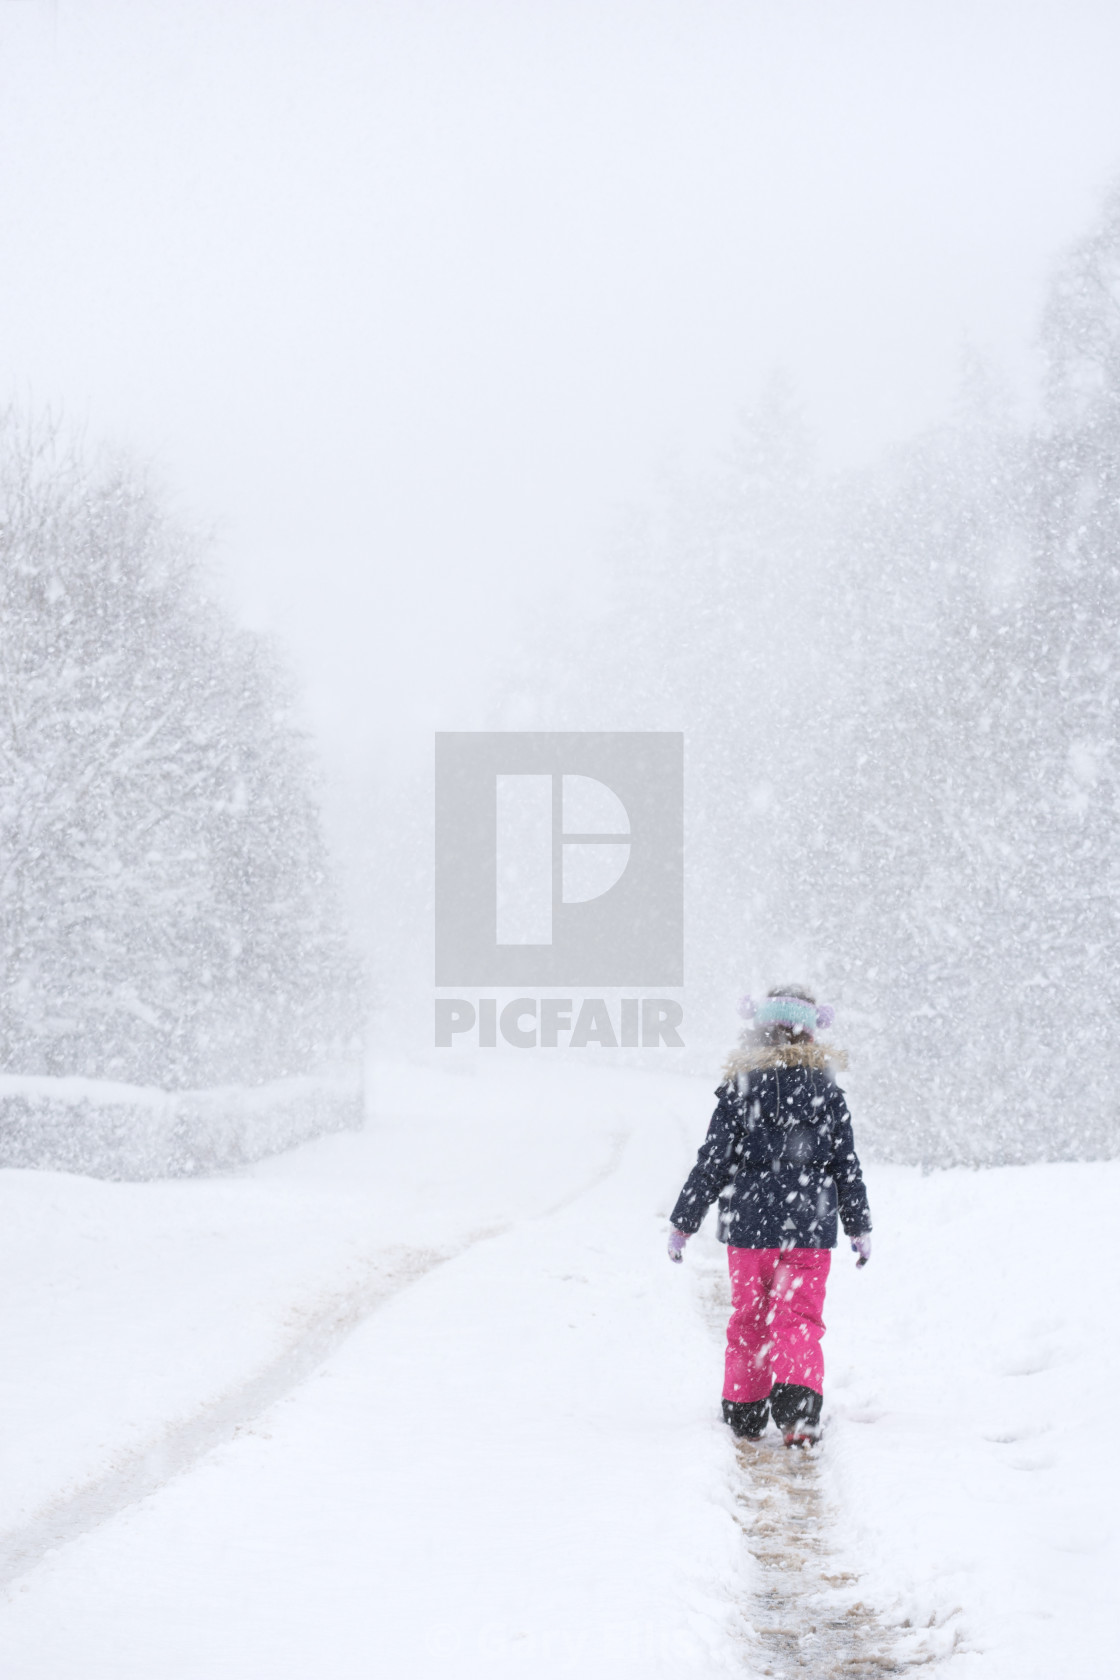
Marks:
<point>781,1137</point>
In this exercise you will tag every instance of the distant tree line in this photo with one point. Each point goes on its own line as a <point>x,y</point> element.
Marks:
<point>166,910</point>
<point>901,693</point>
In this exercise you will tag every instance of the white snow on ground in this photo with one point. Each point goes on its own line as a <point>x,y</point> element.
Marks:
<point>972,1451</point>
<point>514,1465</point>
<point>124,1307</point>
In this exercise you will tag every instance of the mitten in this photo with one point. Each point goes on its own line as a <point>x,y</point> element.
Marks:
<point>861,1245</point>
<point>677,1240</point>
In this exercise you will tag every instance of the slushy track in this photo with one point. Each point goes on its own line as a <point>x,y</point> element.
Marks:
<point>808,1617</point>
<point>145,1470</point>
<point>142,1471</point>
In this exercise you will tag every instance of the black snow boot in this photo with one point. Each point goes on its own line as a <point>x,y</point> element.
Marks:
<point>747,1418</point>
<point>797,1413</point>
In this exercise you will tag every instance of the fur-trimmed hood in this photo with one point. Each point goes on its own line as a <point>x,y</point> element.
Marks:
<point>781,1148</point>
<point>808,1053</point>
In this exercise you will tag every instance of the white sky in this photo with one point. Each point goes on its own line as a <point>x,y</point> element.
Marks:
<point>410,298</point>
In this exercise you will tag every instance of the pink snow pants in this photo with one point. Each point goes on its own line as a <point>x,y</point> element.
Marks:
<point>774,1333</point>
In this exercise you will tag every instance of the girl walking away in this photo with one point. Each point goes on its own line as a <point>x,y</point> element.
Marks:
<point>780,1150</point>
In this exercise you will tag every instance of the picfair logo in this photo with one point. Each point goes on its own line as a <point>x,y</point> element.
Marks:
<point>559,859</point>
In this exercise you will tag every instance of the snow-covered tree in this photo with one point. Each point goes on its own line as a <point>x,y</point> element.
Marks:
<point>166,913</point>
<point>901,690</point>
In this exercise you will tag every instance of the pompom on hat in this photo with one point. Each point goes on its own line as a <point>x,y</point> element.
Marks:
<point>787,1011</point>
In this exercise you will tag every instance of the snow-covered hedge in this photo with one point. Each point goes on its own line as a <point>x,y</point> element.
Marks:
<point>109,1130</point>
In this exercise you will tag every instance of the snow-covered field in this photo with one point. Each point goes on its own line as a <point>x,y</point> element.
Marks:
<point>430,1400</point>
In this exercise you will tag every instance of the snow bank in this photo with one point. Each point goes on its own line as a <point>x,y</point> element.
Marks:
<point>108,1130</point>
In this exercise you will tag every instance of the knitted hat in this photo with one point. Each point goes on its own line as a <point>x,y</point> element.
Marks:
<point>786,1007</point>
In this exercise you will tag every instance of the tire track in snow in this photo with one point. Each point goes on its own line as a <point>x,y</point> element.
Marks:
<point>808,1617</point>
<point>136,1474</point>
<point>143,1471</point>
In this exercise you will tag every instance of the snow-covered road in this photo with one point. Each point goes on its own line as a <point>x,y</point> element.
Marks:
<point>513,1464</point>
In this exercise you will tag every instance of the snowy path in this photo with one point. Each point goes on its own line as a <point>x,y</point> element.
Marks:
<point>157,1302</point>
<point>144,1469</point>
<point>320,1329</point>
<point>496,1471</point>
<point>512,1464</point>
<point>808,1612</point>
